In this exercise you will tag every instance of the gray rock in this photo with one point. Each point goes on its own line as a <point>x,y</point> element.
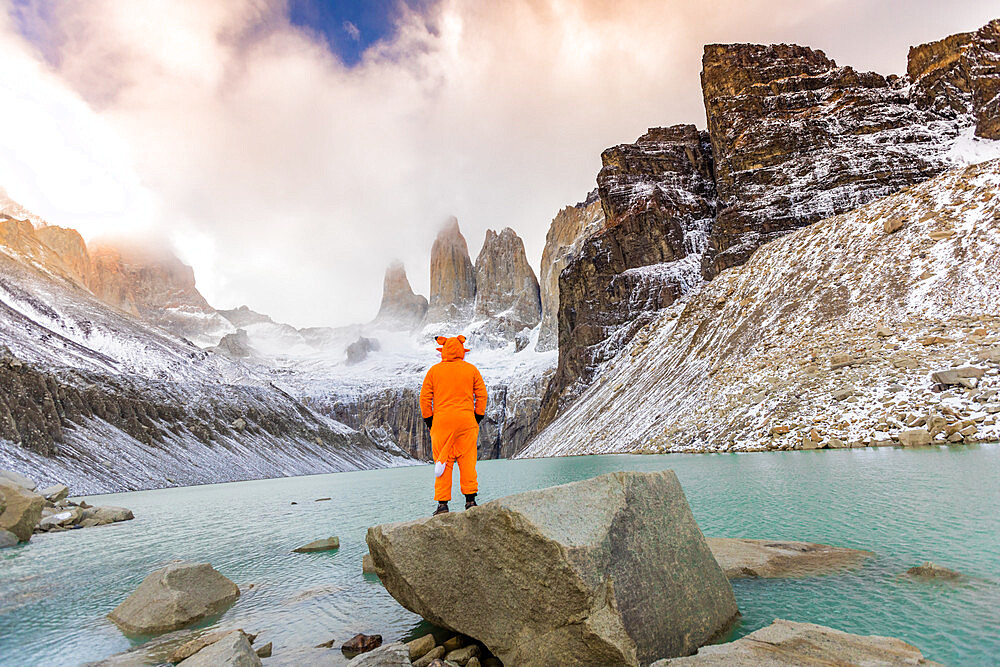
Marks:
<point>18,479</point>
<point>955,376</point>
<point>232,650</point>
<point>326,544</point>
<point>786,643</point>
<point>7,539</point>
<point>845,392</point>
<point>609,570</point>
<point>462,655</point>
<point>173,597</point>
<point>265,650</point>
<point>67,517</point>
<point>55,493</point>
<point>101,516</point>
<point>367,564</point>
<point>773,558</point>
<point>914,437</point>
<point>396,654</point>
<point>22,509</point>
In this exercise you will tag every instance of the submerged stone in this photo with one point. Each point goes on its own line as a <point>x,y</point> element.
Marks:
<point>326,544</point>
<point>609,570</point>
<point>772,558</point>
<point>173,597</point>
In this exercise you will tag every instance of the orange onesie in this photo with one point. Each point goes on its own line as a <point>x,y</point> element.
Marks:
<point>453,393</point>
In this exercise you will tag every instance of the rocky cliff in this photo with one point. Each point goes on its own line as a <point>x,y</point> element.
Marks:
<point>874,327</point>
<point>658,200</point>
<point>567,231</point>
<point>507,295</point>
<point>797,138</point>
<point>960,74</point>
<point>453,277</point>
<point>400,307</point>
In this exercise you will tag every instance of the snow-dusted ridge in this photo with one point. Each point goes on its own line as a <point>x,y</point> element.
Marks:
<point>754,358</point>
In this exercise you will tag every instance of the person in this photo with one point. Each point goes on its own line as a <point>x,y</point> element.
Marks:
<point>452,403</point>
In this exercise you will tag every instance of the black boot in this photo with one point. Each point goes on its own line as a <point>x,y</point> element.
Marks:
<point>470,500</point>
<point>442,508</point>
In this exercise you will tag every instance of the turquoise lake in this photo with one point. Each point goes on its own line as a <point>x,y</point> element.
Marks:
<point>908,506</point>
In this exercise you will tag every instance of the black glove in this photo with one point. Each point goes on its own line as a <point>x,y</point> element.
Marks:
<point>429,420</point>
<point>479,417</point>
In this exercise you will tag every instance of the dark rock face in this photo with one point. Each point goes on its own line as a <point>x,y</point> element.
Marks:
<point>507,293</point>
<point>658,199</point>
<point>235,345</point>
<point>400,308</point>
<point>453,277</point>
<point>359,349</point>
<point>567,232</point>
<point>960,74</point>
<point>394,415</point>
<point>797,138</point>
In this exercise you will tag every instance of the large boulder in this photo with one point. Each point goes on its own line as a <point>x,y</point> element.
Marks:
<point>22,509</point>
<point>173,597</point>
<point>772,558</point>
<point>787,643</point>
<point>55,493</point>
<point>233,650</point>
<point>609,570</point>
<point>100,516</point>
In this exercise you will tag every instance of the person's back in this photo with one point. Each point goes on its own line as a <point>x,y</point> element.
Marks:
<point>452,402</point>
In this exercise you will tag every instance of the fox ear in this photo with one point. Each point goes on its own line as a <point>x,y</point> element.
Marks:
<point>440,340</point>
<point>461,338</point>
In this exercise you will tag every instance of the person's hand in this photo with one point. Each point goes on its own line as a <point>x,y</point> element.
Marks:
<point>429,421</point>
<point>479,417</point>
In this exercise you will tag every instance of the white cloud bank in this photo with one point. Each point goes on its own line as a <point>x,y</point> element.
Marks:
<point>289,180</point>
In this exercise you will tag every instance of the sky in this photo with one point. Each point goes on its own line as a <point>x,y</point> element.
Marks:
<point>289,150</point>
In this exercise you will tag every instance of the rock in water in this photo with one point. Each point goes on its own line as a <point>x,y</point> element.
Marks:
<point>401,308</point>
<point>233,650</point>
<point>173,597</point>
<point>22,509</point>
<point>362,644</point>
<point>507,293</point>
<point>390,655</point>
<point>453,278</point>
<point>793,644</point>
<point>609,570</point>
<point>7,539</point>
<point>931,570</point>
<point>772,558</point>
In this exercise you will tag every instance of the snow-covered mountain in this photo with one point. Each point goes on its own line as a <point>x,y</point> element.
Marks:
<point>103,400</point>
<point>826,337</point>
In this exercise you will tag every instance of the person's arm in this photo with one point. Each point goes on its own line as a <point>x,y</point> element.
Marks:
<point>427,398</point>
<point>479,391</point>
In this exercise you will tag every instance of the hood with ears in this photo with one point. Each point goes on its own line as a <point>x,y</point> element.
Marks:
<point>452,348</point>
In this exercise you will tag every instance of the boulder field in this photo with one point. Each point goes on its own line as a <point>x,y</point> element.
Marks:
<point>609,570</point>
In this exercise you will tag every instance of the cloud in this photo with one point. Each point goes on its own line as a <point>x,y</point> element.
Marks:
<point>352,31</point>
<point>290,180</point>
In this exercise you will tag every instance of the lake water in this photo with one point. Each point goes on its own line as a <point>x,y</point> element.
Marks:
<point>908,506</point>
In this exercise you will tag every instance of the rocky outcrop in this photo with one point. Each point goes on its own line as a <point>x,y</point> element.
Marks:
<point>960,74</point>
<point>797,138</point>
<point>453,278</point>
<point>567,231</point>
<point>773,558</point>
<point>931,570</point>
<point>785,643</point>
<point>20,509</point>
<point>623,578</point>
<point>71,248</point>
<point>400,308</point>
<point>231,650</point>
<point>359,349</point>
<point>507,294</point>
<point>658,199</point>
<point>173,597</point>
